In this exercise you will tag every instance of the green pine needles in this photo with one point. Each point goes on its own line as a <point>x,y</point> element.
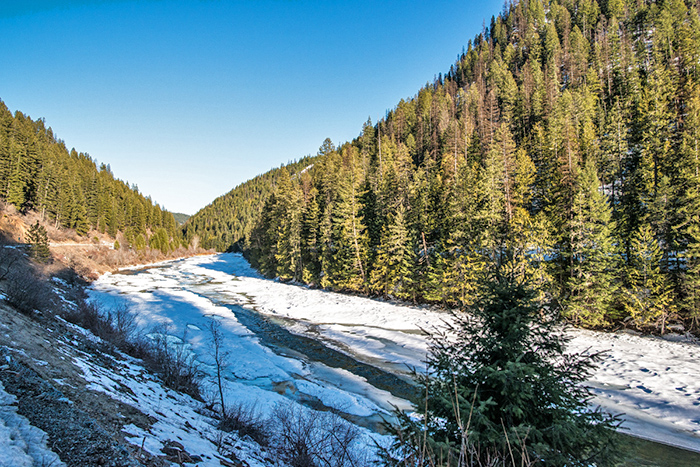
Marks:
<point>501,390</point>
<point>38,241</point>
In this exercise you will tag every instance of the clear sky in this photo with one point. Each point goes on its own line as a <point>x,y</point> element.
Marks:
<point>187,99</point>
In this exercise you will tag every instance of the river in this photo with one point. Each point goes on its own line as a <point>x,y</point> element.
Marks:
<point>353,355</point>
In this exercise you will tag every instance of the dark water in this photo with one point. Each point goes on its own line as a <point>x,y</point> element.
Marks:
<point>280,339</point>
<point>648,453</point>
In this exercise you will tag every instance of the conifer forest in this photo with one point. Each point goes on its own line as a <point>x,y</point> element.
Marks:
<point>38,172</point>
<point>564,143</point>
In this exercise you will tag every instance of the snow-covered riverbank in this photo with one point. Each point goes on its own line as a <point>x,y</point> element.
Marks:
<point>652,381</point>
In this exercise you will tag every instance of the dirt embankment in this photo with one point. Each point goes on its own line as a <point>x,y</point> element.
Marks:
<point>89,256</point>
<point>83,427</point>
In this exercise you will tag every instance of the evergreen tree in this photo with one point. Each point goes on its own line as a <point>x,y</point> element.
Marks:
<point>38,243</point>
<point>309,237</point>
<point>501,384</point>
<point>649,298</point>
<point>287,213</point>
<point>592,281</point>
<point>691,279</point>
<point>393,268</point>
<point>458,263</point>
<point>347,245</point>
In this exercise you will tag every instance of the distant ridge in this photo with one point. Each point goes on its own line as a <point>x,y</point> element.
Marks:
<point>181,218</point>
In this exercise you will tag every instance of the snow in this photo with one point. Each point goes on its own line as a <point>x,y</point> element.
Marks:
<point>22,444</point>
<point>178,417</point>
<point>652,381</point>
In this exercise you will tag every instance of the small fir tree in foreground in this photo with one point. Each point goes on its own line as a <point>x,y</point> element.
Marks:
<point>501,388</point>
<point>38,241</point>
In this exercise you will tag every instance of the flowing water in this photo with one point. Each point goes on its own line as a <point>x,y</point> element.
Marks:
<point>641,452</point>
<point>274,333</point>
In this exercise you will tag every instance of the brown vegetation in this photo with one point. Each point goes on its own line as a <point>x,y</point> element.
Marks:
<point>89,256</point>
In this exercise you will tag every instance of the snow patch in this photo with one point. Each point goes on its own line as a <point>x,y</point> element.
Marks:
<point>21,444</point>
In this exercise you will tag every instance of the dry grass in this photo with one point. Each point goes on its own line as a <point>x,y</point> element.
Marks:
<point>88,256</point>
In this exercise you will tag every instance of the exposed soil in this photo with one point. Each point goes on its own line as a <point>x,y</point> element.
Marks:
<point>83,426</point>
<point>89,256</point>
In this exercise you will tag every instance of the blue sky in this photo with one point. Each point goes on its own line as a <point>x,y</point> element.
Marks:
<point>187,99</point>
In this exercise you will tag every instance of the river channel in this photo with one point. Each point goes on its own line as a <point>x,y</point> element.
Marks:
<point>286,356</point>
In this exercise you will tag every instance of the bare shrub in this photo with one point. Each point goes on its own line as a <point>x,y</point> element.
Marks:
<point>176,365</point>
<point>87,315</point>
<point>123,326</point>
<point>70,277</point>
<point>220,357</point>
<point>9,257</point>
<point>307,438</point>
<point>116,325</point>
<point>246,420</point>
<point>27,291</point>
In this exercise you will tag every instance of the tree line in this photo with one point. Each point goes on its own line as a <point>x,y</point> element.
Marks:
<point>565,140</point>
<point>38,172</point>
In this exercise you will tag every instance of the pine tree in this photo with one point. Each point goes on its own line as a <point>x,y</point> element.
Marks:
<point>691,277</point>
<point>393,268</point>
<point>348,235</point>
<point>688,211</point>
<point>38,243</point>
<point>310,238</point>
<point>458,263</point>
<point>592,282</point>
<point>17,185</point>
<point>501,384</point>
<point>287,213</point>
<point>649,298</point>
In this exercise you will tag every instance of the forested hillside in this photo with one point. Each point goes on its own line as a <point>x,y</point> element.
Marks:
<point>565,141</point>
<point>231,217</point>
<point>38,172</point>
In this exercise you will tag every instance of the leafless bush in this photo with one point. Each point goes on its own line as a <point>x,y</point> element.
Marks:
<point>9,257</point>
<point>115,325</point>
<point>87,315</point>
<point>123,326</point>
<point>246,421</point>
<point>220,357</point>
<point>27,291</point>
<point>307,438</point>
<point>176,365</point>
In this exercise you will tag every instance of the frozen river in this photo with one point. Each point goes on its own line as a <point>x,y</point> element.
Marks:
<point>352,354</point>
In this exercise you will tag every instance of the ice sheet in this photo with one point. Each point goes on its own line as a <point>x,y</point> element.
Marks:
<point>653,381</point>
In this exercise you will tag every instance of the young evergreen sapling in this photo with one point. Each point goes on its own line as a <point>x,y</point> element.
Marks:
<point>501,386</point>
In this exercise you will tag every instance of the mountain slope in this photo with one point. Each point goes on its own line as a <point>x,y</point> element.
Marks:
<point>229,218</point>
<point>563,142</point>
<point>38,172</point>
